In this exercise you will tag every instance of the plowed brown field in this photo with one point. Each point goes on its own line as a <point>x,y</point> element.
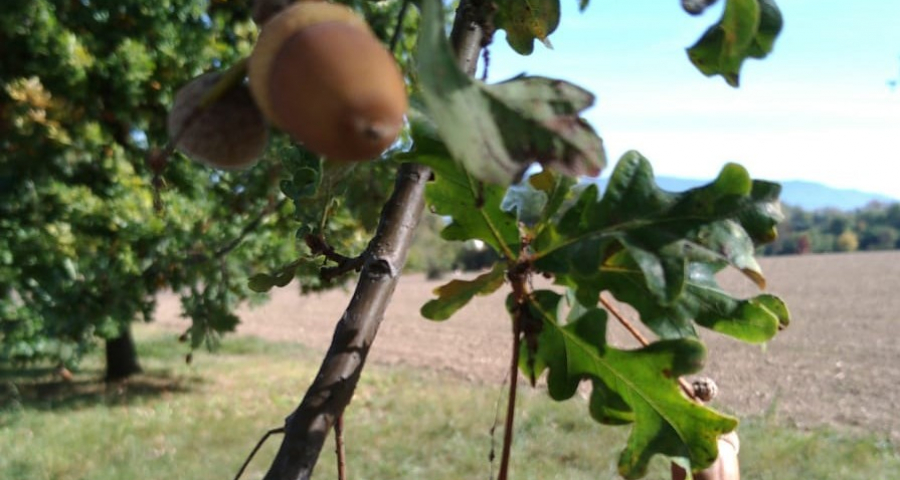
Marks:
<point>838,363</point>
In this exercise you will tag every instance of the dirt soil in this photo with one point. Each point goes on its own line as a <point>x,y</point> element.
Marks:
<point>837,364</point>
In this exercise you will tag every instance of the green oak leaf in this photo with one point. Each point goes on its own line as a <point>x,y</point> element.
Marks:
<point>770,24</point>
<point>761,219</point>
<point>636,215</point>
<point>305,171</point>
<point>630,386</point>
<point>527,20</point>
<point>560,190</point>
<point>497,131</point>
<point>537,200</point>
<point>473,206</point>
<point>748,28</point>
<point>457,293</point>
<point>659,251</point>
<point>263,282</point>
<point>526,202</point>
<point>753,320</point>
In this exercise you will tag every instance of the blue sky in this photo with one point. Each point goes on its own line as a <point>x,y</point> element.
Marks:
<point>818,108</point>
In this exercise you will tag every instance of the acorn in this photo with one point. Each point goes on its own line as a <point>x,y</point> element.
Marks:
<point>230,133</point>
<point>319,73</point>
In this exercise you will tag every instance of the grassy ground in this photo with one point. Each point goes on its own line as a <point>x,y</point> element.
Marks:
<point>200,421</point>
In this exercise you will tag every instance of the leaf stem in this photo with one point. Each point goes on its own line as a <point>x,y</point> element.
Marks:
<point>477,194</point>
<point>685,387</point>
<point>511,402</point>
<point>518,277</point>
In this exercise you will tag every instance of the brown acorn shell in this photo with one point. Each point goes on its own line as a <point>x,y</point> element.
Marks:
<point>320,74</point>
<point>231,133</point>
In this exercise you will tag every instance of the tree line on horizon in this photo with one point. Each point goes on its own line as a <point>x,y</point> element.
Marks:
<point>875,226</point>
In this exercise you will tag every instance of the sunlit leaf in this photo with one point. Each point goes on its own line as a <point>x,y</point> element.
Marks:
<point>770,25</point>
<point>457,293</point>
<point>263,282</point>
<point>473,206</point>
<point>659,251</point>
<point>635,214</point>
<point>748,28</point>
<point>702,300</point>
<point>525,202</point>
<point>630,386</point>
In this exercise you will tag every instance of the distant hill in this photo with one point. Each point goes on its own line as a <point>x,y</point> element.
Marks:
<point>797,193</point>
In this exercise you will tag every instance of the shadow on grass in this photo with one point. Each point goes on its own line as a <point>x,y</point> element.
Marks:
<point>39,388</point>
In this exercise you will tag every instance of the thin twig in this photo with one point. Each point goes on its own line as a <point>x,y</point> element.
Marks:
<point>492,453</point>
<point>333,387</point>
<point>518,278</point>
<point>256,449</point>
<point>235,242</point>
<point>398,30</point>
<point>685,386</point>
<point>318,246</point>
<point>339,447</point>
<point>624,321</point>
<point>511,403</point>
<point>249,228</point>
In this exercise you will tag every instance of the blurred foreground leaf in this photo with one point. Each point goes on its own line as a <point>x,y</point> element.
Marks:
<point>748,28</point>
<point>457,293</point>
<point>498,131</point>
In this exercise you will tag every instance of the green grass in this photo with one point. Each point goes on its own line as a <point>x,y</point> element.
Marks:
<point>199,421</point>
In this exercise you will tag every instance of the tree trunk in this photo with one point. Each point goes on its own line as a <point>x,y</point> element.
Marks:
<point>121,356</point>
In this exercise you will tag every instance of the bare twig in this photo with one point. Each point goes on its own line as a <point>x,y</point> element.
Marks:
<point>339,447</point>
<point>256,449</point>
<point>249,228</point>
<point>511,400</point>
<point>318,246</point>
<point>493,430</point>
<point>518,278</point>
<point>685,386</point>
